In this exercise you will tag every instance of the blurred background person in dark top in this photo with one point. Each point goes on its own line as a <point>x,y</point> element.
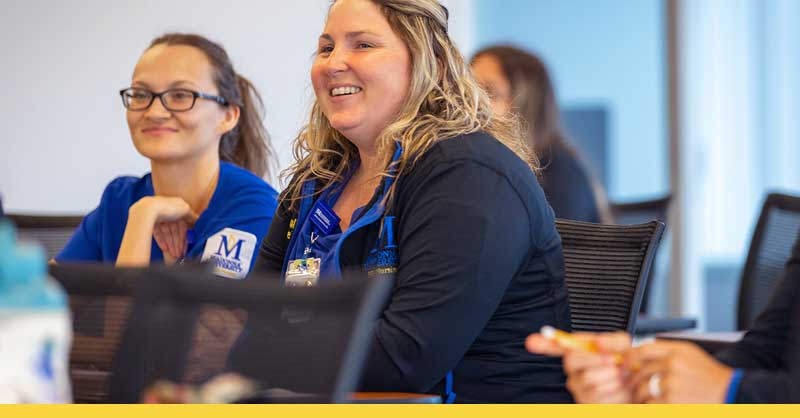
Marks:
<point>518,82</point>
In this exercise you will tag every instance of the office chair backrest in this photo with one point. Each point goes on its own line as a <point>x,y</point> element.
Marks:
<point>53,232</point>
<point>775,233</point>
<point>637,212</point>
<point>99,298</point>
<point>607,267</point>
<point>311,342</point>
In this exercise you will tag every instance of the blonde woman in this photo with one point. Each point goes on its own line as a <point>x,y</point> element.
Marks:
<point>402,171</point>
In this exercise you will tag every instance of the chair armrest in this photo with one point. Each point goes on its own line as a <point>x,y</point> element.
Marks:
<point>648,325</point>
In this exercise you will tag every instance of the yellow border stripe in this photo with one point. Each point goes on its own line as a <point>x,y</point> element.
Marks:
<point>401,411</point>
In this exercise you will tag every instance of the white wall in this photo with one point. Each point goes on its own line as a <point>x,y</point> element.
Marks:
<point>63,126</point>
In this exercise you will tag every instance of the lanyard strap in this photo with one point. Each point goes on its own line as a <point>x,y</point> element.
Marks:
<point>305,206</point>
<point>387,220</point>
<point>393,166</point>
<point>449,395</point>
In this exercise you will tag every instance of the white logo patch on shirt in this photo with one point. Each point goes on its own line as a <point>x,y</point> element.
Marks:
<point>230,251</point>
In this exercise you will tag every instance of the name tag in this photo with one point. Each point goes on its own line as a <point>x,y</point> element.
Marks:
<point>230,251</point>
<point>303,272</point>
<point>324,217</point>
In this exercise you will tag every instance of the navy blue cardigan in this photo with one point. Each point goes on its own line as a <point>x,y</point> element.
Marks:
<point>480,268</point>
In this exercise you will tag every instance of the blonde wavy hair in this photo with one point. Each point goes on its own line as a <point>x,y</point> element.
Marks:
<point>443,101</point>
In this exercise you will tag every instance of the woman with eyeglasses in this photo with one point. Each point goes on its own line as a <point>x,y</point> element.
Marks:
<point>200,125</point>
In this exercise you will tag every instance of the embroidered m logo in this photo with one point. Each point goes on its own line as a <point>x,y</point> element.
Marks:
<point>223,247</point>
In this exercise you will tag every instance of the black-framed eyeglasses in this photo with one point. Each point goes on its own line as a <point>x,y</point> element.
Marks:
<point>174,100</point>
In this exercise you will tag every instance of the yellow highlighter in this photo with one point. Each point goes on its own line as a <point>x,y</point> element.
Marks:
<point>567,340</point>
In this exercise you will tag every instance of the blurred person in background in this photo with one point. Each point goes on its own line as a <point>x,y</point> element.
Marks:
<point>199,124</point>
<point>518,82</point>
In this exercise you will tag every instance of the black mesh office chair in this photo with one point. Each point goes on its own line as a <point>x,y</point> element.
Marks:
<point>607,267</point>
<point>775,233</point>
<point>53,232</point>
<point>629,213</point>
<point>308,344</point>
<point>99,298</point>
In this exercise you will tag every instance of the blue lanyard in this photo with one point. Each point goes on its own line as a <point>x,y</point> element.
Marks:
<point>309,205</point>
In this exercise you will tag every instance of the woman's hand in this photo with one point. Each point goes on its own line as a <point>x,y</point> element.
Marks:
<point>592,377</point>
<point>684,373</point>
<point>171,238</point>
<point>168,392</point>
<point>159,216</point>
<point>224,388</point>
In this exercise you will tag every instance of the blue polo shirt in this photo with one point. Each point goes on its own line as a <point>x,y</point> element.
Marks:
<point>227,233</point>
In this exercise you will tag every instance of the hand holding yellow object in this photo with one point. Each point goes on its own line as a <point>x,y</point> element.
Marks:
<point>594,363</point>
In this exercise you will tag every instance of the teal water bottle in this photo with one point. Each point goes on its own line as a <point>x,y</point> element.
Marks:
<point>35,326</point>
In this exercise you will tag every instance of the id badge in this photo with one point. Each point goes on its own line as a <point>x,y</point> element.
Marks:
<point>302,272</point>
